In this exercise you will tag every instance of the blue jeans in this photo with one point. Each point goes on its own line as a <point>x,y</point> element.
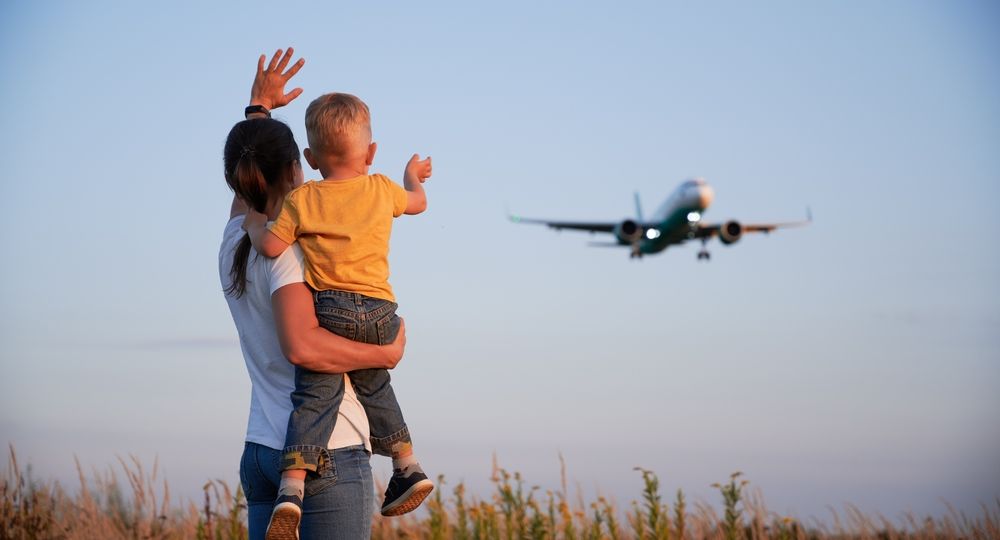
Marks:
<point>317,396</point>
<point>337,506</point>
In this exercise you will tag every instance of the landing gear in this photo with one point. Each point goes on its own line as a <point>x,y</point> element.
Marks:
<point>636,253</point>
<point>704,254</point>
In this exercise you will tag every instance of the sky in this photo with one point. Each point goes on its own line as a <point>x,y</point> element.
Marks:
<point>856,360</point>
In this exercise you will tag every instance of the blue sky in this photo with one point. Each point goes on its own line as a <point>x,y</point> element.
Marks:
<point>855,360</point>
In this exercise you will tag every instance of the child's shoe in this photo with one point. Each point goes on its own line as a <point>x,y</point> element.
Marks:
<point>407,488</point>
<point>285,518</point>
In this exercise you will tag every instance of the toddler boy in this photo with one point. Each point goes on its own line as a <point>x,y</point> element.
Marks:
<point>342,224</point>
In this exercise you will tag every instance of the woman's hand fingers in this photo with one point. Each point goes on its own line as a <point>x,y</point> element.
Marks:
<point>274,60</point>
<point>292,95</point>
<point>294,69</point>
<point>268,87</point>
<point>284,60</point>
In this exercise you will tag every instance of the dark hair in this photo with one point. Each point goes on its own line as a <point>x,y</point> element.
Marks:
<point>258,159</point>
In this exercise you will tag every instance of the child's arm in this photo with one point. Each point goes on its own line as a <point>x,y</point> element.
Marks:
<point>417,172</point>
<point>263,240</point>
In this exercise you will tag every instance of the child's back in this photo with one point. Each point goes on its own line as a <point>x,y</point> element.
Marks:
<point>343,228</point>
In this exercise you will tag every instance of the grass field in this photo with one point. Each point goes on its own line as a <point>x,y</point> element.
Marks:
<point>131,502</point>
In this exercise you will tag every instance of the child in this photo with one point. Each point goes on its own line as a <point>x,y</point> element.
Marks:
<point>342,224</point>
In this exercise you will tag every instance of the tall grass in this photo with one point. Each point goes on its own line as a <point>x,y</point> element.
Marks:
<point>139,507</point>
<point>102,509</point>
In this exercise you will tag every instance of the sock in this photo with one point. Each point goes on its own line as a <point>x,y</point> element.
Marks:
<point>292,486</point>
<point>402,455</point>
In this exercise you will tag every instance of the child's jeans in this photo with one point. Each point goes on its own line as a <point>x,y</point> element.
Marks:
<point>317,396</point>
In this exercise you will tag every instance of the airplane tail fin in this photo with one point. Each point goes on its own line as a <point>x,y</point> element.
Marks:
<point>638,208</point>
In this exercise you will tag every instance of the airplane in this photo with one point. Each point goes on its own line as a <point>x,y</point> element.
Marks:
<point>676,221</point>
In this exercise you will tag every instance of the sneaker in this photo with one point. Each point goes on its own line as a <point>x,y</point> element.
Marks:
<point>407,489</point>
<point>285,518</point>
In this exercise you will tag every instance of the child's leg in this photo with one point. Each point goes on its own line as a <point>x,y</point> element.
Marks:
<point>317,396</point>
<point>389,435</point>
<point>316,401</point>
<point>287,513</point>
<point>409,485</point>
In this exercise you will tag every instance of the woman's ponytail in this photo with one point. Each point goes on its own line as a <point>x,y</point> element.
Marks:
<point>252,186</point>
<point>258,159</point>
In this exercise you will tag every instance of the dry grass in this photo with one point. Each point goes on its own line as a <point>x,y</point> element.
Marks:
<point>103,509</point>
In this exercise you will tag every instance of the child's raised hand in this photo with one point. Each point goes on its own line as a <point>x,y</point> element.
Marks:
<point>417,169</point>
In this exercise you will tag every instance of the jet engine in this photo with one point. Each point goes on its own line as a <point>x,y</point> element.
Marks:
<point>730,232</point>
<point>628,231</point>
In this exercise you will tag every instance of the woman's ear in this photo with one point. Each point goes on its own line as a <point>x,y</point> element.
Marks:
<point>311,159</point>
<point>371,153</point>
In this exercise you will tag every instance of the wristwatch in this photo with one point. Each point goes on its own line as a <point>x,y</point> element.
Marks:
<point>252,109</point>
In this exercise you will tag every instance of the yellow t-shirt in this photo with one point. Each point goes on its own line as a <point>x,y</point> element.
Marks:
<point>343,228</point>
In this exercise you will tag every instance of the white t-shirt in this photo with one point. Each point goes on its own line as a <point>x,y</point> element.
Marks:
<point>272,377</point>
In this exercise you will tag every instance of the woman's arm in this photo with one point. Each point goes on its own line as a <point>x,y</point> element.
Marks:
<point>308,345</point>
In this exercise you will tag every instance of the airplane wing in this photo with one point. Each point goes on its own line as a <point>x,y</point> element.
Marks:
<point>591,226</point>
<point>710,230</point>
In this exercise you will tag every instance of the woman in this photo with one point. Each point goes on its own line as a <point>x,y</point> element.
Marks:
<point>274,314</point>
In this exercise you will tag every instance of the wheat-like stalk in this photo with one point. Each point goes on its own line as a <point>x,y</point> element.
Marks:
<point>140,508</point>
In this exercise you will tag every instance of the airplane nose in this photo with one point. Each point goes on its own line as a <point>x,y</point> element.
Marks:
<point>705,195</point>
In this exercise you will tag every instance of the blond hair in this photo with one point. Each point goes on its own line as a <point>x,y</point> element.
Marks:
<point>338,125</point>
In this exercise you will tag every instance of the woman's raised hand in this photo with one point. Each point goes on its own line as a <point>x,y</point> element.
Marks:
<point>269,85</point>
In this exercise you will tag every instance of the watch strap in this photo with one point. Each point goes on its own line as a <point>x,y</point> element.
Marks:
<point>252,109</point>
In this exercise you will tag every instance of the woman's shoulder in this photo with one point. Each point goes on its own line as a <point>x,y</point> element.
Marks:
<point>234,224</point>
<point>231,234</point>
<point>285,269</point>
